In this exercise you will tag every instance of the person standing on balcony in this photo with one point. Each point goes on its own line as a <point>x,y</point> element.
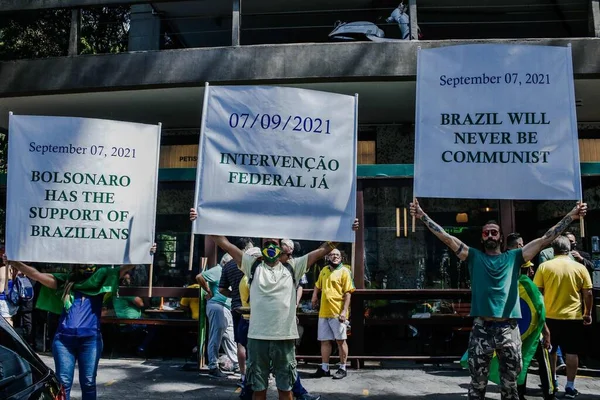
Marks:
<point>400,17</point>
<point>495,298</point>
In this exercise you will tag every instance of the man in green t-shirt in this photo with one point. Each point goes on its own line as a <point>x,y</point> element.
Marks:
<point>130,307</point>
<point>495,298</point>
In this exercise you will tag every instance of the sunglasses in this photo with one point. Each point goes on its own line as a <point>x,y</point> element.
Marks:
<point>490,232</point>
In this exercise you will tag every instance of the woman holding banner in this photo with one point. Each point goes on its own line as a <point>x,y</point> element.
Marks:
<point>77,296</point>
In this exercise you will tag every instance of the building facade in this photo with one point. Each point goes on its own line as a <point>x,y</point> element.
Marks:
<point>148,62</point>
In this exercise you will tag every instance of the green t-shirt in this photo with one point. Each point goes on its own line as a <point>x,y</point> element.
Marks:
<point>212,277</point>
<point>495,283</point>
<point>125,308</point>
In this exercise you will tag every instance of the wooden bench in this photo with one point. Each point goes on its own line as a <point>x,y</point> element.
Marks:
<point>150,321</point>
<point>190,324</point>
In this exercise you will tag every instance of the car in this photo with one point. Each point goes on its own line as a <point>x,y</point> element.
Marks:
<point>23,375</point>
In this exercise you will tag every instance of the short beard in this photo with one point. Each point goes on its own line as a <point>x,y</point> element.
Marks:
<point>491,244</point>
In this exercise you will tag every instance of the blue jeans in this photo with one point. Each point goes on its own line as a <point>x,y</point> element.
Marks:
<point>86,351</point>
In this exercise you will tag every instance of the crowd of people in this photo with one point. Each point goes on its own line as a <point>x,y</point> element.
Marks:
<point>254,291</point>
<point>563,279</point>
<point>264,284</point>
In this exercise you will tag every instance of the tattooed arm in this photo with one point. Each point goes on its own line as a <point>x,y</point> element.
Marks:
<point>458,247</point>
<point>532,248</point>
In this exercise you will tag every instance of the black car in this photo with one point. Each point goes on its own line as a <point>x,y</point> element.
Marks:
<point>23,375</point>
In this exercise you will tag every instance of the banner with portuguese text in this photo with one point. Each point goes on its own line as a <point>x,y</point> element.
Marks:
<point>277,162</point>
<point>496,121</point>
<point>80,190</point>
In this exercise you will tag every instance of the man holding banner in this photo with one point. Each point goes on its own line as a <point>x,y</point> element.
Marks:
<point>495,298</point>
<point>272,332</point>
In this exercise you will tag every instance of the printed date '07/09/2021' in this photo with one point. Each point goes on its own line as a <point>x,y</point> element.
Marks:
<point>277,122</point>
<point>93,150</point>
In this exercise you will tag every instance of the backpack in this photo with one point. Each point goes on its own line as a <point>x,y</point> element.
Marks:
<point>22,290</point>
<point>258,262</point>
<point>12,296</point>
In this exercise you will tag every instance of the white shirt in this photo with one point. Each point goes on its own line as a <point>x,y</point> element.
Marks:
<point>273,298</point>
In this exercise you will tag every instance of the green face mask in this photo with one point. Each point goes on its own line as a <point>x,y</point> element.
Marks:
<point>271,251</point>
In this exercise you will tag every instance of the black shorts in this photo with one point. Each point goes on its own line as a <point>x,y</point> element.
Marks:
<point>568,334</point>
<point>236,323</point>
<point>242,332</point>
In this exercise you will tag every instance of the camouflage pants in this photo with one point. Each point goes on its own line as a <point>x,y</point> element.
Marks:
<point>504,338</point>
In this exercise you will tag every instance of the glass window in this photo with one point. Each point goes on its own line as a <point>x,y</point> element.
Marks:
<point>396,258</point>
<point>19,368</point>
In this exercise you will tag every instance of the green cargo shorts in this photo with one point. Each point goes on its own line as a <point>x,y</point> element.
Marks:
<point>264,354</point>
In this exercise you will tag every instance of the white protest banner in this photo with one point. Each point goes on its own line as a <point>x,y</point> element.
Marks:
<point>277,162</point>
<point>81,191</point>
<point>496,121</point>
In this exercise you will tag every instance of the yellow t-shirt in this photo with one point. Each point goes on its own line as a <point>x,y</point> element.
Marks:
<point>333,285</point>
<point>192,302</point>
<point>562,280</point>
<point>245,295</point>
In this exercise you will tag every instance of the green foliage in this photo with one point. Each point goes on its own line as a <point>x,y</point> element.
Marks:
<point>104,30</point>
<point>39,34</point>
<point>45,33</point>
<point>3,151</point>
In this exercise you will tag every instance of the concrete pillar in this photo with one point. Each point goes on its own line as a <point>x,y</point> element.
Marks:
<point>144,30</point>
<point>507,216</point>
<point>236,22</point>
<point>412,12</point>
<point>594,18</point>
<point>74,32</point>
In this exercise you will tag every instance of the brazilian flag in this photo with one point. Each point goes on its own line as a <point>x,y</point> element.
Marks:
<point>533,316</point>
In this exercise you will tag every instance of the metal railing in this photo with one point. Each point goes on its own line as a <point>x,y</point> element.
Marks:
<point>74,27</point>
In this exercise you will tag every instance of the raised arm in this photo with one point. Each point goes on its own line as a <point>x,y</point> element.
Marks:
<point>326,248</point>
<point>47,280</point>
<point>222,242</point>
<point>228,247</point>
<point>457,246</point>
<point>532,248</point>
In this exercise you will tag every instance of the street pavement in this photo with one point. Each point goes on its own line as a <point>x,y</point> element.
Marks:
<point>121,379</point>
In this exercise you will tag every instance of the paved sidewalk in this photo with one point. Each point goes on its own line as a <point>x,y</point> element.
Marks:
<point>164,380</point>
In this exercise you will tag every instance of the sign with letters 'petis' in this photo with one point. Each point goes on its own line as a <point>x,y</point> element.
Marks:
<point>81,191</point>
<point>496,121</point>
<point>277,162</point>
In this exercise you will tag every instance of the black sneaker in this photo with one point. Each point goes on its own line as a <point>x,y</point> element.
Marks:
<point>340,373</point>
<point>321,373</point>
<point>571,393</point>
<point>216,373</point>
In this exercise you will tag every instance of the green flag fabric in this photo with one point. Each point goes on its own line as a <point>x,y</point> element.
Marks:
<point>533,316</point>
<point>104,280</point>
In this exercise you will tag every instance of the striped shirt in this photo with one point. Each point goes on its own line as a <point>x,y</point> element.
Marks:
<point>230,279</point>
